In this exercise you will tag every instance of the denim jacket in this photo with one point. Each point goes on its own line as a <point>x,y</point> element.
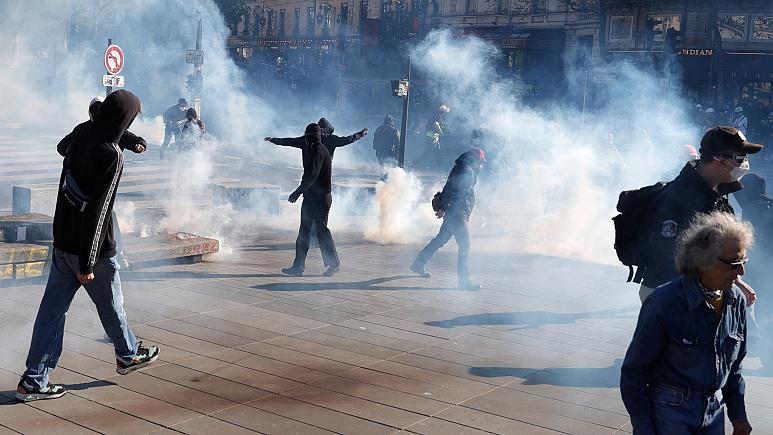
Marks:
<point>678,343</point>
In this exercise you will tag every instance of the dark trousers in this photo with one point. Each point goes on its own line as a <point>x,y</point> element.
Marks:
<point>456,227</point>
<point>169,132</point>
<point>314,213</point>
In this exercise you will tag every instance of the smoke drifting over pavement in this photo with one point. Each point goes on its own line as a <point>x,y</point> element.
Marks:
<point>566,173</point>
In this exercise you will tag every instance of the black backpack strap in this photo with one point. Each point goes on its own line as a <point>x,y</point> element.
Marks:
<point>630,274</point>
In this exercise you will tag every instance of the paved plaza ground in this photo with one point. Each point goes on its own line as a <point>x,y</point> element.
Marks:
<point>373,350</point>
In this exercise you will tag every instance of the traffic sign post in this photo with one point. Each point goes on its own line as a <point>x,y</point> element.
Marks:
<point>114,61</point>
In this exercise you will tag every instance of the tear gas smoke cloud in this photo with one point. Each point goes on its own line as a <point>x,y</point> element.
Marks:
<point>565,178</point>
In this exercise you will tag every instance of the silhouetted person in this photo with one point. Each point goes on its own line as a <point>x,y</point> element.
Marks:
<point>173,119</point>
<point>329,140</point>
<point>454,205</point>
<point>386,142</point>
<point>317,199</point>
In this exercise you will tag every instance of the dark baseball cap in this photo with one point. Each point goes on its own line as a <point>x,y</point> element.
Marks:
<point>726,140</point>
<point>182,101</point>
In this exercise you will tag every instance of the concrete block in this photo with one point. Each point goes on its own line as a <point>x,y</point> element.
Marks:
<point>264,198</point>
<point>22,260</point>
<point>26,228</point>
<point>35,198</point>
<point>167,247</point>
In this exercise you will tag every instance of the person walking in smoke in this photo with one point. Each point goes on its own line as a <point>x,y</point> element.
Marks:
<point>740,121</point>
<point>386,142</point>
<point>129,141</point>
<point>329,140</point>
<point>83,251</point>
<point>454,205</point>
<point>191,132</point>
<point>684,361</point>
<point>173,118</point>
<point>317,199</point>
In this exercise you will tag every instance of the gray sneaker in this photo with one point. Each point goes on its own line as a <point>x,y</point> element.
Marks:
<point>145,357</point>
<point>421,269</point>
<point>27,393</point>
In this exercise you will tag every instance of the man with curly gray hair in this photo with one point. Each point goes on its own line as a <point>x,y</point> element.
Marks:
<point>690,338</point>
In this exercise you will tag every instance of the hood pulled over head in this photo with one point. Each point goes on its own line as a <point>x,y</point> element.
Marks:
<point>326,126</point>
<point>116,115</point>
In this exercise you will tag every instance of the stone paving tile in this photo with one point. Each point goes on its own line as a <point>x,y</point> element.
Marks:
<point>207,425</point>
<point>233,328</point>
<point>266,422</point>
<point>365,336</point>
<point>201,333</point>
<point>26,419</point>
<point>95,416</point>
<point>321,417</point>
<point>434,426</point>
<point>206,382</point>
<point>365,409</point>
<point>321,337</point>
<point>320,316</point>
<point>251,316</point>
<point>494,423</point>
<point>324,351</point>
<point>241,374</point>
<point>270,359</point>
<point>171,392</point>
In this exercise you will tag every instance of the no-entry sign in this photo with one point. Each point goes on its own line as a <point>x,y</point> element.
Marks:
<point>113,59</point>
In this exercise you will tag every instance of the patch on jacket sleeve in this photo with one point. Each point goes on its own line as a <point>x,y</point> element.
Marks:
<point>669,228</point>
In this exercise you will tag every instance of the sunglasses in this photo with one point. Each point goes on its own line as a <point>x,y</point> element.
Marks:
<point>738,159</point>
<point>734,264</point>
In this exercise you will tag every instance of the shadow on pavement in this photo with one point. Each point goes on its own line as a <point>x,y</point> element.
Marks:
<point>606,377</point>
<point>371,284</point>
<point>532,319</point>
<point>141,275</point>
<point>7,397</point>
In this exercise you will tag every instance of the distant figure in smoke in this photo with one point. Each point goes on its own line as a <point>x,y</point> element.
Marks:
<point>683,366</point>
<point>701,187</point>
<point>329,140</point>
<point>83,251</point>
<point>317,199</point>
<point>386,142</point>
<point>454,204</point>
<point>192,131</point>
<point>740,121</point>
<point>173,119</point>
<point>437,128</point>
<point>129,141</point>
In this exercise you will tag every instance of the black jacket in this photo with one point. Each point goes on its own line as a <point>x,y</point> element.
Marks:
<point>129,140</point>
<point>331,141</point>
<point>317,172</point>
<point>95,161</point>
<point>458,196</point>
<point>386,141</point>
<point>687,195</point>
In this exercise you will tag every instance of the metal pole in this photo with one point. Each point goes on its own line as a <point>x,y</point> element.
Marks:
<point>196,94</point>
<point>584,96</point>
<point>404,126</point>
<point>108,89</point>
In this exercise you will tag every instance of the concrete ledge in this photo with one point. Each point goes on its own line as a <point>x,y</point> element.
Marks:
<point>26,228</point>
<point>22,260</point>
<point>264,198</point>
<point>35,198</point>
<point>162,249</point>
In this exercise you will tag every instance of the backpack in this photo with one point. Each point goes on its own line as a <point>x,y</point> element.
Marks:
<point>631,237</point>
<point>436,201</point>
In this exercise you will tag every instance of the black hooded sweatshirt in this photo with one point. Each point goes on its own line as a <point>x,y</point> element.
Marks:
<point>129,140</point>
<point>317,167</point>
<point>330,141</point>
<point>95,161</point>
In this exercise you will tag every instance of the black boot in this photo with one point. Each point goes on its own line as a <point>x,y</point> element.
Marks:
<point>293,271</point>
<point>466,284</point>
<point>421,269</point>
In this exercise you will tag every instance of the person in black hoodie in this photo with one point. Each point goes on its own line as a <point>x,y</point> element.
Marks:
<point>455,204</point>
<point>315,187</point>
<point>83,251</point>
<point>329,140</point>
<point>129,141</point>
<point>386,142</point>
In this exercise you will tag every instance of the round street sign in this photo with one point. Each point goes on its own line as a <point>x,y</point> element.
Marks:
<point>113,59</point>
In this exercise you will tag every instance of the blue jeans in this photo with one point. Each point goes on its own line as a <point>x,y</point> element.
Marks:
<point>452,227</point>
<point>676,411</point>
<point>48,332</point>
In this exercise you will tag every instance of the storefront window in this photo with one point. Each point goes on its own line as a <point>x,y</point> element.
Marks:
<point>763,28</point>
<point>662,23</point>
<point>620,27</point>
<point>732,27</point>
